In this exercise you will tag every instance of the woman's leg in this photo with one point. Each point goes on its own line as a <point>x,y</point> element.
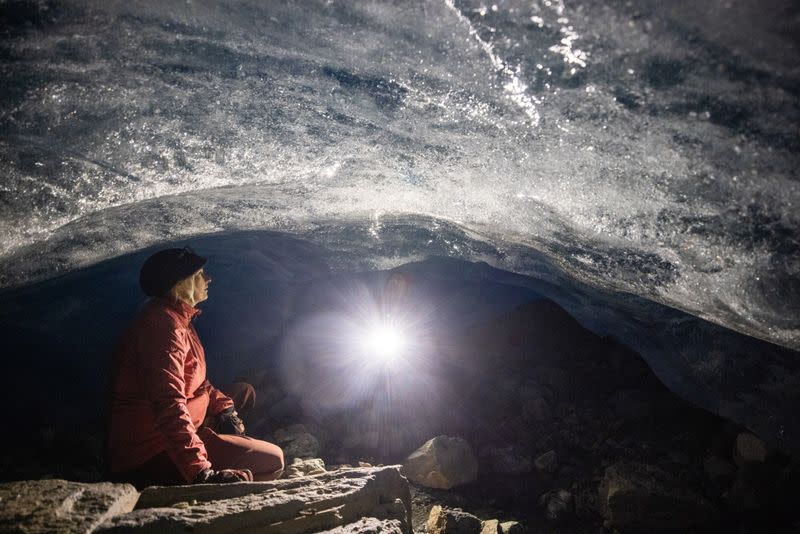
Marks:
<point>226,451</point>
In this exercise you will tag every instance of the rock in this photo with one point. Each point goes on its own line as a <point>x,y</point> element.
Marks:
<point>640,496</point>
<point>445,521</point>
<point>511,527</point>
<point>32,506</point>
<point>748,448</point>
<point>309,504</point>
<point>305,467</point>
<point>296,442</point>
<point>369,525</point>
<point>547,462</point>
<point>507,461</point>
<point>557,504</point>
<point>720,471</point>
<point>490,526</point>
<point>442,462</point>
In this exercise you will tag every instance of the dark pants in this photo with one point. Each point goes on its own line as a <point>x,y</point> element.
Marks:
<point>225,451</point>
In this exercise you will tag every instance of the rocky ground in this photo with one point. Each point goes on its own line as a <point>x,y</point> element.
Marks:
<point>539,425</point>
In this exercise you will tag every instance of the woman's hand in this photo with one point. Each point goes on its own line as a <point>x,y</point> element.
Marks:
<point>229,422</point>
<point>223,476</point>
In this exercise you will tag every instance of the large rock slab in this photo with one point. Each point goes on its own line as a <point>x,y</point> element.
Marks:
<point>369,525</point>
<point>40,506</point>
<point>442,463</point>
<point>306,504</point>
<point>641,496</point>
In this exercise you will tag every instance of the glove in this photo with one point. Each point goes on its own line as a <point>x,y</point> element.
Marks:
<point>229,422</point>
<point>223,476</point>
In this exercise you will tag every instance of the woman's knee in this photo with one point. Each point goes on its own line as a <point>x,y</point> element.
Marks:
<point>271,466</point>
<point>279,461</point>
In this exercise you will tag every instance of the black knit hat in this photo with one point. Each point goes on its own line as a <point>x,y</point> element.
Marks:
<point>166,268</point>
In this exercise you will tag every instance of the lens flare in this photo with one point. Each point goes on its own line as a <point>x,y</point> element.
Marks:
<point>383,341</point>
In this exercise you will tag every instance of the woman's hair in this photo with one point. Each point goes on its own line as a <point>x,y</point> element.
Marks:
<point>183,288</point>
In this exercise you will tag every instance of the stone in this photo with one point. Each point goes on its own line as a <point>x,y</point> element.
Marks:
<point>296,442</point>
<point>507,461</point>
<point>369,525</point>
<point>511,527</point>
<point>641,496</point>
<point>749,448</point>
<point>33,506</point>
<point>305,467</point>
<point>447,521</point>
<point>289,433</point>
<point>557,504</point>
<point>490,526</point>
<point>330,500</point>
<point>442,463</point>
<point>547,462</point>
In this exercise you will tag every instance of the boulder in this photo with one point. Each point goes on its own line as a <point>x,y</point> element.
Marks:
<point>442,463</point>
<point>490,526</point>
<point>33,506</point>
<point>511,527</point>
<point>547,462</point>
<point>331,500</point>
<point>369,525</point>
<point>447,521</point>
<point>749,448</point>
<point>641,496</point>
<point>508,461</point>
<point>557,504</point>
<point>306,467</point>
<point>296,442</point>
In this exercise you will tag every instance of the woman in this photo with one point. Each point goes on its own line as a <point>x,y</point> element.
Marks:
<point>168,424</point>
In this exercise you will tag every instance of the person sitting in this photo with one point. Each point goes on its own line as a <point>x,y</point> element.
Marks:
<point>168,424</point>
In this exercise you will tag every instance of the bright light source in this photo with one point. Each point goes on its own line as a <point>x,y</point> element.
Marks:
<point>383,341</point>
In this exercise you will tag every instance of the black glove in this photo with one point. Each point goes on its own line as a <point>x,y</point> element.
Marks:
<point>223,476</point>
<point>229,422</point>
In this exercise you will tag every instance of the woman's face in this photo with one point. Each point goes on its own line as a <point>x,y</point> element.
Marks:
<point>200,282</point>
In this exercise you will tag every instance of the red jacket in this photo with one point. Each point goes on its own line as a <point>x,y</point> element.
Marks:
<point>160,394</point>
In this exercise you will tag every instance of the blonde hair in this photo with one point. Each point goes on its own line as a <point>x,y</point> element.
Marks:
<point>183,290</point>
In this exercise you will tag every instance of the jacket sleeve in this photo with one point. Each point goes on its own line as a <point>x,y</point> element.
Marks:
<point>218,402</point>
<point>164,352</point>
